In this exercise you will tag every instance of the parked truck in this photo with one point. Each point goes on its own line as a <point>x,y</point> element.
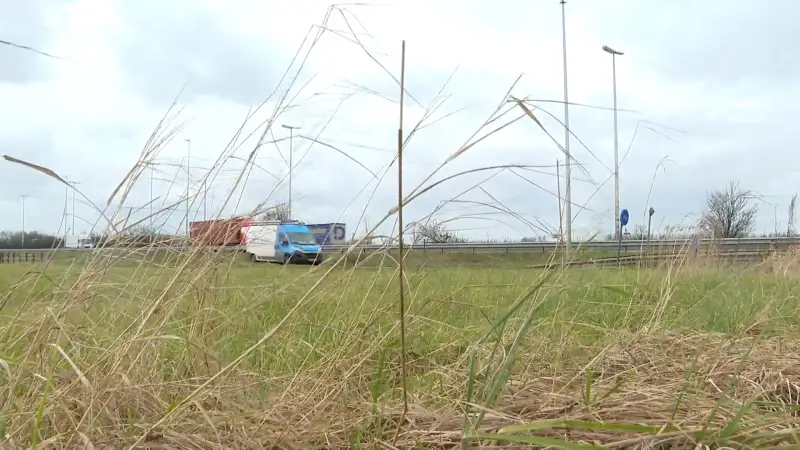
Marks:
<point>286,242</point>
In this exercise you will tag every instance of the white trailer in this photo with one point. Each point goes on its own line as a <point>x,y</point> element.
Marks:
<point>82,241</point>
<point>260,239</point>
<point>71,241</point>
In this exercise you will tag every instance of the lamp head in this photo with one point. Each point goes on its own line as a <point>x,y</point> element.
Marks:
<point>608,49</point>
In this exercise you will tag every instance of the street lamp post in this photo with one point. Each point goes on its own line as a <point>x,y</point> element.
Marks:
<point>24,196</point>
<point>188,179</point>
<point>152,169</point>
<point>205,197</point>
<point>66,209</point>
<point>614,54</point>
<point>568,166</point>
<point>291,165</point>
<point>73,183</point>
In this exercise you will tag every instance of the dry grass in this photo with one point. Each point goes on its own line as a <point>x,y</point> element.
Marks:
<point>187,349</point>
<point>108,353</point>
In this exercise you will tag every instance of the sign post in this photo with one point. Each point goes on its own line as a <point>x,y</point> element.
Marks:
<point>623,220</point>
<point>649,221</point>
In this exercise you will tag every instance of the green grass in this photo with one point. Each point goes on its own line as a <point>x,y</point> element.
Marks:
<point>500,259</point>
<point>220,352</point>
<point>473,259</point>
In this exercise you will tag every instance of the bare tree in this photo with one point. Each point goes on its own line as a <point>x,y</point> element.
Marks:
<point>790,227</point>
<point>776,223</point>
<point>367,237</point>
<point>277,212</point>
<point>435,233</point>
<point>639,233</point>
<point>729,212</point>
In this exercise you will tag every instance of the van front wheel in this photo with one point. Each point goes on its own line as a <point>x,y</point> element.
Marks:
<point>252,257</point>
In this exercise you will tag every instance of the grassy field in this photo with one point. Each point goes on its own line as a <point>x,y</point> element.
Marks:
<point>210,352</point>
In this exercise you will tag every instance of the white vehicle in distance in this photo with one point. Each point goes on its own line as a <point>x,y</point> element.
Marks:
<point>83,242</point>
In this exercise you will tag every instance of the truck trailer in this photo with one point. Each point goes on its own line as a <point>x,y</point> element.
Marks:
<point>329,233</point>
<point>222,232</point>
<point>286,242</point>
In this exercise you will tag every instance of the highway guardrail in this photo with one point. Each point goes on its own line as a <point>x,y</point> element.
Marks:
<point>627,246</point>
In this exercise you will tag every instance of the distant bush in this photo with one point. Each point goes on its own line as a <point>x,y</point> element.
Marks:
<point>33,240</point>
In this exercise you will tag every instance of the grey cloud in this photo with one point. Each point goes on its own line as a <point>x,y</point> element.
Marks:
<point>711,153</point>
<point>23,23</point>
<point>164,47</point>
<point>16,179</point>
<point>713,41</point>
<point>96,169</point>
<point>715,148</point>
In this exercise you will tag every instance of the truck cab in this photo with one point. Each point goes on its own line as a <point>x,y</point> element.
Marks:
<point>285,242</point>
<point>297,244</point>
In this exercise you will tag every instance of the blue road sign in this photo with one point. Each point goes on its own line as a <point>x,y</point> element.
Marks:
<point>623,217</point>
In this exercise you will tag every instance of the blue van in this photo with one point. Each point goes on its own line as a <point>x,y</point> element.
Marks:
<point>286,242</point>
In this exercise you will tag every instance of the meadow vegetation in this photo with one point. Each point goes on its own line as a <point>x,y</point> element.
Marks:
<point>175,348</point>
<point>205,351</point>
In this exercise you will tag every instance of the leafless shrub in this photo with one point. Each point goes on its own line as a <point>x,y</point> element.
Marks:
<point>730,213</point>
<point>639,233</point>
<point>278,212</point>
<point>435,232</point>
<point>790,221</point>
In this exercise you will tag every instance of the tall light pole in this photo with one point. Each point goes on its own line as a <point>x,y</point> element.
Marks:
<point>568,167</point>
<point>66,209</point>
<point>73,183</point>
<point>152,169</point>
<point>614,54</point>
<point>188,179</point>
<point>291,165</point>
<point>205,197</point>
<point>24,196</point>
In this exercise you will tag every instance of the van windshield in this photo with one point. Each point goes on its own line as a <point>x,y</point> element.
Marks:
<point>302,238</point>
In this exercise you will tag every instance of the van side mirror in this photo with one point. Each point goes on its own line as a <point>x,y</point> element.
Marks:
<point>285,243</point>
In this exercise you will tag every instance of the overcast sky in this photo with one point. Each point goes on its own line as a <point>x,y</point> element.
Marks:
<point>706,88</point>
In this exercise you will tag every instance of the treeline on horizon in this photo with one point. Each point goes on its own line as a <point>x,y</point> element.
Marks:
<point>36,240</point>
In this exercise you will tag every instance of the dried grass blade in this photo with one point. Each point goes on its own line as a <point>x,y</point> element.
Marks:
<point>50,173</point>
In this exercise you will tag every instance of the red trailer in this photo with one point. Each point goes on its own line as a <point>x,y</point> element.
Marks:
<point>222,232</point>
